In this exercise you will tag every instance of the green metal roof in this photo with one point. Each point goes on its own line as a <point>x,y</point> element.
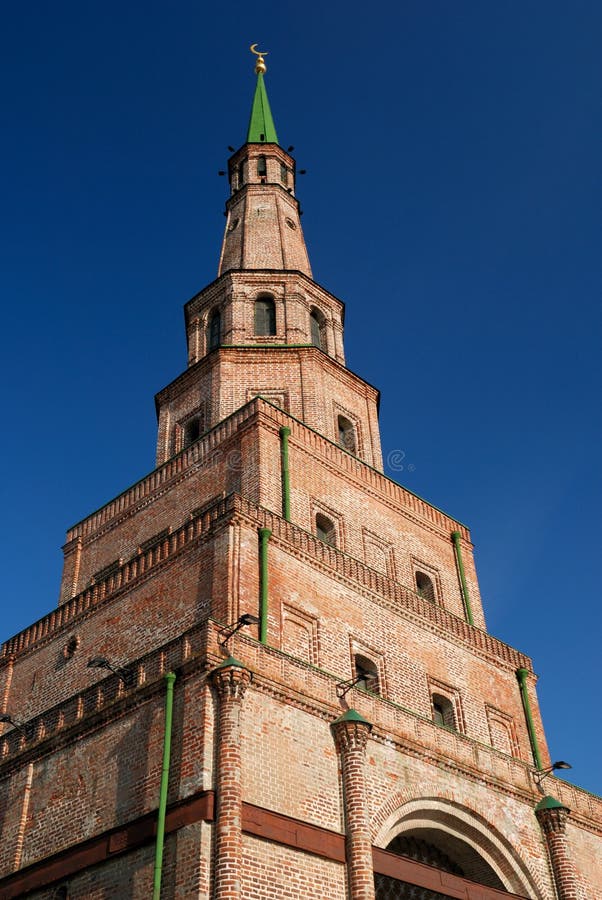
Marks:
<point>549,802</point>
<point>261,124</point>
<point>351,715</point>
<point>231,661</point>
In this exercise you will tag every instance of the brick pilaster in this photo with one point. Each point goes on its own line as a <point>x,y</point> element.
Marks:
<point>552,817</point>
<point>351,735</point>
<point>231,680</point>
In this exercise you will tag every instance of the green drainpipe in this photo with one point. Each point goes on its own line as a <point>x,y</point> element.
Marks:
<point>169,678</point>
<point>460,563</point>
<point>264,537</point>
<point>522,674</point>
<point>286,479</point>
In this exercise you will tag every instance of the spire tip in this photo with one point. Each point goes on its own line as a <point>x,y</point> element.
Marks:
<point>260,66</point>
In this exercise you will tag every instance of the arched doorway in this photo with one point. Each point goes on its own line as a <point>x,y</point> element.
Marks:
<point>443,851</point>
<point>438,832</point>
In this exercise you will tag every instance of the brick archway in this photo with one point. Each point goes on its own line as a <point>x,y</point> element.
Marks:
<point>466,834</point>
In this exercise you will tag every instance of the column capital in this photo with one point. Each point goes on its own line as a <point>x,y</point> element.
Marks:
<point>351,731</point>
<point>231,679</point>
<point>552,816</point>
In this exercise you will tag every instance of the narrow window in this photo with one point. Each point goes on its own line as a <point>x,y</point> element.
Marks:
<point>241,174</point>
<point>438,715</point>
<point>192,431</point>
<point>346,434</point>
<point>443,711</point>
<point>325,530</point>
<point>315,324</point>
<point>215,330</point>
<point>283,174</point>
<point>265,316</point>
<point>262,169</point>
<point>424,586</point>
<point>367,673</point>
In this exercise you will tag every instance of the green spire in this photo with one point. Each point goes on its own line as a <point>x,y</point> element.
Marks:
<point>261,124</point>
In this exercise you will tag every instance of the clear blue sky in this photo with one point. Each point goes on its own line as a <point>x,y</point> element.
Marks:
<point>451,200</point>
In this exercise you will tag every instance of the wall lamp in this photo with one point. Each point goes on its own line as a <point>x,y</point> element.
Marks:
<point>543,773</point>
<point>7,719</point>
<point>344,686</point>
<point>229,630</point>
<point>101,662</point>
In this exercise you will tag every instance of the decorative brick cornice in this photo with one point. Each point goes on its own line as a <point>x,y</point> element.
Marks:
<point>553,821</point>
<point>134,571</point>
<point>351,733</point>
<point>231,680</point>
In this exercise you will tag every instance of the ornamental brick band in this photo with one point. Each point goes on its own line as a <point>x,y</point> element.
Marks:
<point>231,680</point>
<point>351,733</point>
<point>552,818</point>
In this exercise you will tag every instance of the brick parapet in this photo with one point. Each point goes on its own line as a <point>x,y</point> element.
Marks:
<point>133,571</point>
<point>295,683</point>
<point>371,479</point>
<point>165,477</point>
<point>379,587</point>
<point>382,589</point>
<point>179,466</point>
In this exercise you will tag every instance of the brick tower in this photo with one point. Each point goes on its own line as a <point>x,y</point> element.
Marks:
<point>268,675</point>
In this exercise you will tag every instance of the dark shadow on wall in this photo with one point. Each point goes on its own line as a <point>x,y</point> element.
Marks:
<point>182,858</point>
<point>135,781</point>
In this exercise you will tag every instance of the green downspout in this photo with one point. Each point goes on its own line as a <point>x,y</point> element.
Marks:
<point>460,563</point>
<point>522,674</point>
<point>170,679</point>
<point>286,480</point>
<point>264,537</point>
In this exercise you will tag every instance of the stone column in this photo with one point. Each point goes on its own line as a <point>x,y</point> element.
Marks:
<point>351,735</point>
<point>231,680</point>
<point>552,817</point>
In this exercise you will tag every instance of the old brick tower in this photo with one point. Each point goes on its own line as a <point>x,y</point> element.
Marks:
<point>268,675</point>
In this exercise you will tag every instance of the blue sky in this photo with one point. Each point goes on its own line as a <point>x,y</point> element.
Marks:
<point>451,200</point>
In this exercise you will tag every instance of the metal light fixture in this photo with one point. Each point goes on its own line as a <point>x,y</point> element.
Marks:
<point>101,662</point>
<point>7,719</point>
<point>344,686</point>
<point>229,630</point>
<point>540,774</point>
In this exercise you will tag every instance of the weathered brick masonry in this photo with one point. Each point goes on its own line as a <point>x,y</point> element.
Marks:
<point>361,735</point>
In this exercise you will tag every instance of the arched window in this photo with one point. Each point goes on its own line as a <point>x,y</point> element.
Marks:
<point>316,325</point>
<point>241,174</point>
<point>346,434</point>
<point>283,174</point>
<point>424,586</point>
<point>326,530</point>
<point>265,316</point>
<point>214,335</point>
<point>367,673</point>
<point>192,431</point>
<point>443,711</point>
<point>262,169</point>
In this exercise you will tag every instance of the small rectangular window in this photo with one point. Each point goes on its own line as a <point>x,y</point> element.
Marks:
<point>283,174</point>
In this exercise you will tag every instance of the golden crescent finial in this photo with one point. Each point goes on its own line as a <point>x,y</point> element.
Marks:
<point>260,66</point>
